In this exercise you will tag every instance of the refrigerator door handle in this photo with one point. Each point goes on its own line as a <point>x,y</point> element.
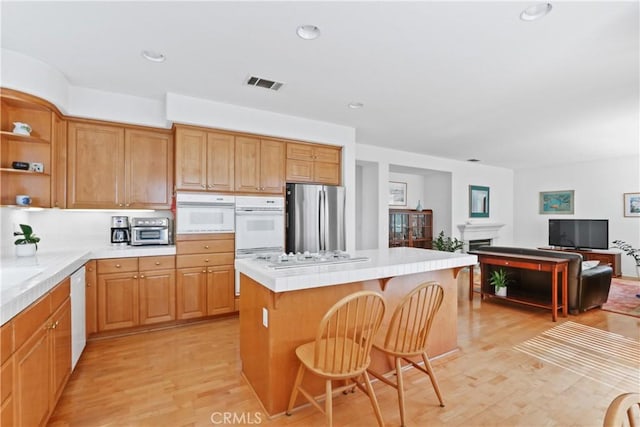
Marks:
<point>322,220</point>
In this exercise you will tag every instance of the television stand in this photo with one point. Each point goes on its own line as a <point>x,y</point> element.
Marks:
<point>612,258</point>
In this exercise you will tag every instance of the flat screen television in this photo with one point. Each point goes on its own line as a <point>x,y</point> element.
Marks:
<point>579,233</point>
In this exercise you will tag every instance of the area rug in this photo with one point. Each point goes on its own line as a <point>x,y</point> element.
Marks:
<point>595,354</point>
<point>622,297</point>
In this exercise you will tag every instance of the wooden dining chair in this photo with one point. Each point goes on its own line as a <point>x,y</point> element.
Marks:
<point>624,410</point>
<point>341,351</point>
<point>407,335</point>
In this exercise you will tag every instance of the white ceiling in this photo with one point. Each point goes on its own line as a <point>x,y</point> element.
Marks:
<point>457,80</point>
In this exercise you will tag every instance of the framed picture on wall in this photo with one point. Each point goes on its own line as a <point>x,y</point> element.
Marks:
<point>556,202</point>
<point>397,193</point>
<point>631,204</point>
<point>478,201</point>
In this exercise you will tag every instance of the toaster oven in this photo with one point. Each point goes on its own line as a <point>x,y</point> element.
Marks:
<point>150,231</point>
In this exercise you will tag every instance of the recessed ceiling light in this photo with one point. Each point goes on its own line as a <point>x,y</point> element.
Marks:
<point>308,32</point>
<point>356,105</point>
<point>535,12</point>
<point>153,56</point>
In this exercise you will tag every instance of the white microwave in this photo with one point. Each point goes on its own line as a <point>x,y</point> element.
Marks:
<point>204,213</point>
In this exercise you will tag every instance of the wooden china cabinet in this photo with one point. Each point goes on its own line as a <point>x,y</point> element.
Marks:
<point>408,227</point>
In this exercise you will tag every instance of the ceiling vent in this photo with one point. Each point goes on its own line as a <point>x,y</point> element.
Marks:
<point>260,82</point>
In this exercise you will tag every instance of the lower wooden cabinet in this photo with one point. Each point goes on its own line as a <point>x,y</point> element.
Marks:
<point>205,282</point>
<point>157,296</point>
<point>117,300</point>
<point>35,375</point>
<point>60,334</point>
<point>135,291</point>
<point>91,297</point>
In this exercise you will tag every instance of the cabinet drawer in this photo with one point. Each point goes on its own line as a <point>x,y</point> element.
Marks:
<point>157,262</point>
<point>117,265</point>
<point>202,260</point>
<point>60,293</point>
<point>205,246</point>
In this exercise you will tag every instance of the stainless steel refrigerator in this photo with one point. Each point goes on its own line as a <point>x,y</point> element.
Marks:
<point>315,218</point>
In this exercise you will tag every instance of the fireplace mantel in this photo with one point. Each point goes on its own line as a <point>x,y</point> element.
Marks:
<point>479,231</point>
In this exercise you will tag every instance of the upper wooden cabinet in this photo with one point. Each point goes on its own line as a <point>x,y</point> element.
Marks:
<point>313,163</point>
<point>112,166</point>
<point>38,147</point>
<point>95,173</point>
<point>204,160</point>
<point>148,169</point>
<point>259,165</point>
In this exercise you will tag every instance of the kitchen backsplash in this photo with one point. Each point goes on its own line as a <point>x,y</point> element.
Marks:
<point>59,228</point>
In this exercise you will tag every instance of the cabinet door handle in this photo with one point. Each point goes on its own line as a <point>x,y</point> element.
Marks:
<point>206,246</point>
<point>135,276</point>
<point>206,260</point>
<point>203,186</point>
<point>204,271</point>
<point>127,205</point>
<point>141,276</point>
<point>88,285</point>
<point>157,262</point>
<point>118,266</point>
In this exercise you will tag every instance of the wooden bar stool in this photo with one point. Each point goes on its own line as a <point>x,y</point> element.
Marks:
<point>623,411</point>
<point>407,336</point>
<point>341,350</point>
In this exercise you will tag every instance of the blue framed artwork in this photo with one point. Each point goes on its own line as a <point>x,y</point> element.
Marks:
<point>556,202</point>
<point>631,204</point>
<point>478,201</point>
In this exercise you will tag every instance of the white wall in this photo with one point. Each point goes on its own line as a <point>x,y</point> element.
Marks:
<point>366,202</point>
<point>60,228</point>
<point>463,174</point>
<point>599,188</point>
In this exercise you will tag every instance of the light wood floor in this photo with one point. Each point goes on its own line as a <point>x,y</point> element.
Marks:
<point>186,376</point>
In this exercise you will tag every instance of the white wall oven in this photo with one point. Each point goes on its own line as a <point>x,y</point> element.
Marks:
<point>204,213</point>
<point>259,227</point>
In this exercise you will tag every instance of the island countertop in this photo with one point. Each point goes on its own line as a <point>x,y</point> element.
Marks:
<point>382,263</point>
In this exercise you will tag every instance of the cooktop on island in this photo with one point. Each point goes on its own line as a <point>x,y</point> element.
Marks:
<point>291,260</point>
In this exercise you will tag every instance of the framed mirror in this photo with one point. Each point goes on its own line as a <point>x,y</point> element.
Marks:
<point>478,201</point>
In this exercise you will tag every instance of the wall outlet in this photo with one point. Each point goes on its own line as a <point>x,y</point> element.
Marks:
<point>265,317</point>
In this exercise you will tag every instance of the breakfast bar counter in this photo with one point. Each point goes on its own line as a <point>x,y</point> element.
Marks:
<point>281,307</point>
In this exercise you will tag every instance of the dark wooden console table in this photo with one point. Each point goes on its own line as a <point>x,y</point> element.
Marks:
<point>527,262</point>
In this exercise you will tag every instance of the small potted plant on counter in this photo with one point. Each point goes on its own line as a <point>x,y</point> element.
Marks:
<point>499,279</point>
<point>446,244</point>
<point>27,245</point>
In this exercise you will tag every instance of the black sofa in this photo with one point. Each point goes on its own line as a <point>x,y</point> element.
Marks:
<point>587,288</point>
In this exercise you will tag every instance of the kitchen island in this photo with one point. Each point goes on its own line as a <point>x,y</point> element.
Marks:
<point>280,309</point>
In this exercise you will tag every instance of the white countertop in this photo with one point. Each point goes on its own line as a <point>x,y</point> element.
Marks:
<point>25,279</point>
<point>383,263</point>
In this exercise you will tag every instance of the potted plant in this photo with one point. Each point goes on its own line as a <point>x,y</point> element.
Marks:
<point>499,279</point>
<point>629,250</point>
<point>446,244</point>
<point>27,245</point>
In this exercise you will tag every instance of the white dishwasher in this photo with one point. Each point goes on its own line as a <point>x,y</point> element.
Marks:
<point>78,327</point>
